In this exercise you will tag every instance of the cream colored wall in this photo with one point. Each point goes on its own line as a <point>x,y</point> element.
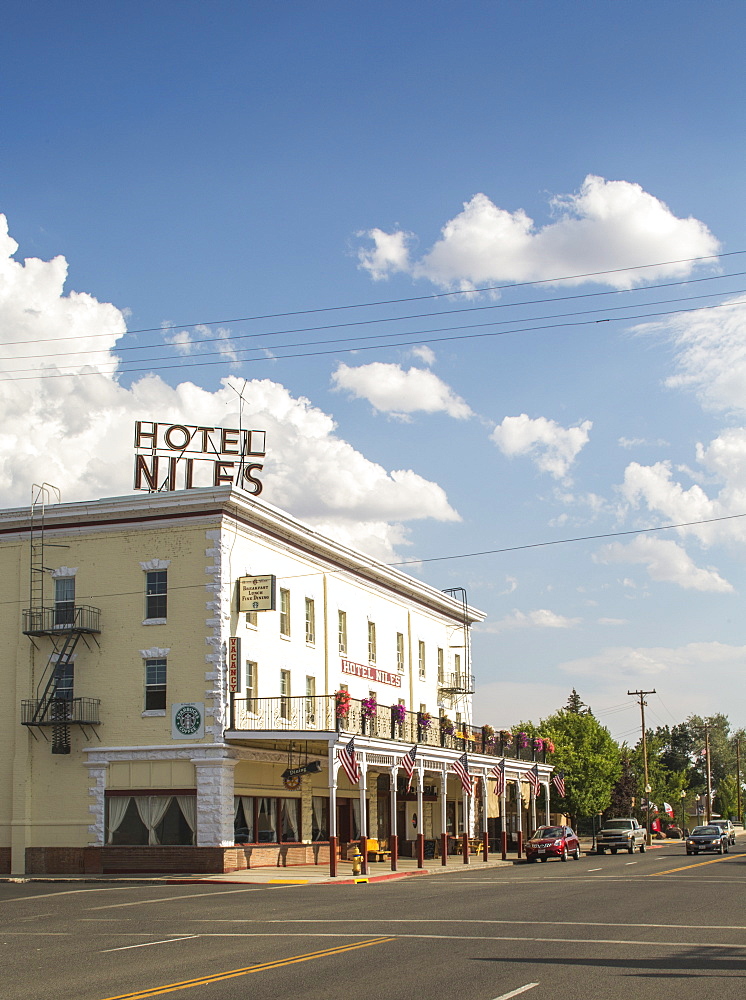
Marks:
<point>144,774</point>
<point>47,795</point>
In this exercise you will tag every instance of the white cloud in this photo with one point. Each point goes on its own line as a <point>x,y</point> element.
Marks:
<point>551,447</point>
<point>607,225</point>
<point>391,389</point>
<point>540,618</point>
<point>641,442</point>
<point>684,665</point>
<point>78,431</point>
<point>666,562</point>
<point>424,354</point>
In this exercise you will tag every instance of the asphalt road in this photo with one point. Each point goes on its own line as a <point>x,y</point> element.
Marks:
<point>624,926</point>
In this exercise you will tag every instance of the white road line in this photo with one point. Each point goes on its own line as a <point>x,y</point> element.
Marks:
<point>453,920</point>
<point>148,944</point>
<point>514,993</point>
<point>630,862</point>
<point>191,895</point>
<point>595,869</point>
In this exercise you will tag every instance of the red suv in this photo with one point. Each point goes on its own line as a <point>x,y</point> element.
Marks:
<point>553,842</point>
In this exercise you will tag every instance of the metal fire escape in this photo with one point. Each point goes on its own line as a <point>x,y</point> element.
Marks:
<point>461,681</point>
<point>65,625</point>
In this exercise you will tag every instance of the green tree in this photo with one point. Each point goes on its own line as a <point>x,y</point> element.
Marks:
<point>624,792</point>
<point>590,758</point>
<point>576,704</point>
<point>726,797</point>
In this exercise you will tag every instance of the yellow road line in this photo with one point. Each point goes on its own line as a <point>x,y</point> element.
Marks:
<point>233,973</point>
<point>697,864</point>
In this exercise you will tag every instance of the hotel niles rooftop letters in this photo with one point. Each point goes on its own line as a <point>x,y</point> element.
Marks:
<point>204,683</point>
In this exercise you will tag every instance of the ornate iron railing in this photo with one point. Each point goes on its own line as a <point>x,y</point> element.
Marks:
<point>327,713</point>
<point>72,618</point>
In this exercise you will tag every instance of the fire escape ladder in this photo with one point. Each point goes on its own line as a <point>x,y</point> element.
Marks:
<point>54,670</point>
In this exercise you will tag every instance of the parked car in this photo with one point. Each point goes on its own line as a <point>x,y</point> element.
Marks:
<point>553,842</point>
<point>725,824</point>
<point>707,838</point>
<point>622,834</point>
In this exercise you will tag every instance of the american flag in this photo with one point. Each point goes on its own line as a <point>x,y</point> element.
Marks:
<point>532,777</point>
<point>498,773</point>
<point>407,762</point>
<point>558,780</point>
<point>348,760</point>
<point>461,767</point>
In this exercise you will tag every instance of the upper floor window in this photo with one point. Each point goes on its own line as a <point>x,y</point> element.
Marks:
<point>284,612</point>
<point>457,664</point>
<point>400,652</point>
<point>421,658</point>
<point>63,678</point>
<point>342,630</point>
<point>64,600</point>
<point>310,621</point>
<point>371,642</point>
<point>155,684</point>
<point>250,681</point>
<point>285,694</point>
<point>156,593</point>
<point>252,618</point>
<point>441,666</point>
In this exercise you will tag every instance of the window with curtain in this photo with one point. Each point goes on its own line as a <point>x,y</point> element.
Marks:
<point>284,612</point>
<point>266,829</point>
<point>320,818</point>
<point>151,819</point>
<point>290,820</point>
<point>267,820</point>
<point>310,621</point>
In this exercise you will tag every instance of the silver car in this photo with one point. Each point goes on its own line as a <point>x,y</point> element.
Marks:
<point>725,824</point>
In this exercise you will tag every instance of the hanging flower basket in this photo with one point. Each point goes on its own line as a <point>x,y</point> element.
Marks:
<point>522,739</point>
<point>342,701</point>
<point>506,736</point>
<point>488,735</point>
<point>549,746</point>
<point>369,707</point>
<point>446,726</point>
<point>398,714</point>
<point>424,720</point>
<point>539,744</point>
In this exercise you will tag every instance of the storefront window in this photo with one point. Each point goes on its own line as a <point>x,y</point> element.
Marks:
<point>266,820</point>
<point>320,828</point>
<point>150,819</point>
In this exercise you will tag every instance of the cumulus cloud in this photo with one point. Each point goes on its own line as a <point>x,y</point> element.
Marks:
<point>605,226</point>
<point>540,618</point>
<point>391,389</point>
<point>666,562</point>
<point>551,447</point>
<point>77,432</point>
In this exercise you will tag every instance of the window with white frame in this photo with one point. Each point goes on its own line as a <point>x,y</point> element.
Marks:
<point>64,600</point>
<point>310,698</point>
<point>156,593</point>
<point>371,642</point>
<point>155,684</point>
<point>285,694</point>
<point>421,659</point>
<point>342,631</point>
<point>457,666</point>
<point>441,666</point>
<point>284,612</point>
<point>63,680</point>
<point>310,621</point>
<point>400,652</point>
<point>250,682</point>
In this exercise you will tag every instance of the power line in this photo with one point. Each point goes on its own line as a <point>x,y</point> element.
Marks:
<point>116,369</point>
<point>564,541</point>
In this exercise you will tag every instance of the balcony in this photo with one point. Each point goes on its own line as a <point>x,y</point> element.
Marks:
<point>61,619</point>
<point>61,711</point>
<point>457,684</point>
<point>323,713</point>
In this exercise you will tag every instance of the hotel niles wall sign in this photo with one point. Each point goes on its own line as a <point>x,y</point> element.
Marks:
<point>185,456</point>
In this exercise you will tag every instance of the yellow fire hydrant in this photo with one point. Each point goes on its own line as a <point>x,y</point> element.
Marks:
<point>357,859</point>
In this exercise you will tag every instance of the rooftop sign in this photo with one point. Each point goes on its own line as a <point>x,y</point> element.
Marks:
<point>185,456</point>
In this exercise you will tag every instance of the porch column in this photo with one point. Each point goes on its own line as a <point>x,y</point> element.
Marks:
<point>519,806</point>
<point>546,803</point>
<point>444,817</point>
<point>504,819</point>
<point>362,761</point>
<point>332,810</point>
<point>465,799</point>
<point>485,824</point>
<point>420,836</point>
<point>533,810</point>
<point>393,836</point>
<point>215,811</point>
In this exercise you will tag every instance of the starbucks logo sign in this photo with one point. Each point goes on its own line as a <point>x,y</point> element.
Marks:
<point>188,721</point>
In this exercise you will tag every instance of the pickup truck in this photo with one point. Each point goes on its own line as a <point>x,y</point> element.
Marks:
<point>624,834</point>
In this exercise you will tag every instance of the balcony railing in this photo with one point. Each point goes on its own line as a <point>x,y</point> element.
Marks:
<point>457,683</point>
<point>64,618</point>
<point>323,713</point>
<point>83,711</point>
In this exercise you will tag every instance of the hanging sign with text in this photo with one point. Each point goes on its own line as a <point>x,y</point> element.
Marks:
<point>256,593</point>
<point>234,664</point>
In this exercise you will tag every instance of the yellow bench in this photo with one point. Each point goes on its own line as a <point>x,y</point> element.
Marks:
<point>380,853</point>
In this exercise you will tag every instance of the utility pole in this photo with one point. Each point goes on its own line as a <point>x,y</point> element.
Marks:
<point>641,696</point>
<point>709,773</point>
<point>738,777</point>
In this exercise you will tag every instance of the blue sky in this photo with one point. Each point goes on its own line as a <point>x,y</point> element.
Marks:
<point>185,163</point>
